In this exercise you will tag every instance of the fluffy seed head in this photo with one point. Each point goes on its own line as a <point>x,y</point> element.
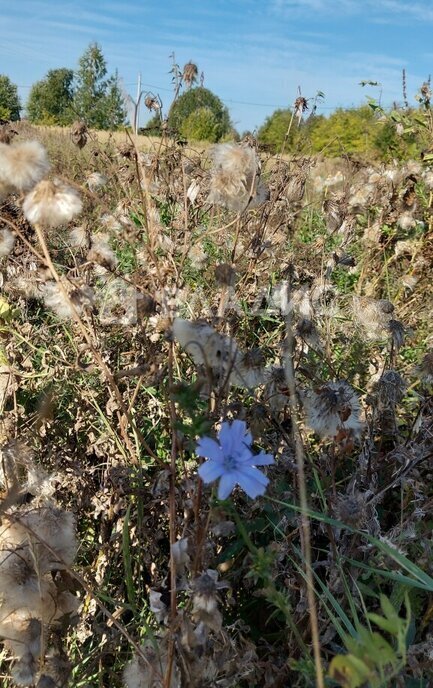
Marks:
<point>234,177</point>
<point>406,221</point>
<point>96,181</point>
<point>22,165</point>
<point>7,240</point>
<point>52,203</point>
<point>49,524</point>
<point>332,408</point>
<point>55,299</point>
<point>5,190</point>
<point>101,253</point>
<point>372,315</point>
<point>78,237</point>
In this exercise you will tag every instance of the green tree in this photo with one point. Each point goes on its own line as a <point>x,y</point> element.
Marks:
<point>201,125</point>
<point>200,98</point>
<point>346,131</point>
<point>10,104</point>
<point>97,100</point>
<point>275,127</point>
<point>50,100</point>
<point>113,104</point>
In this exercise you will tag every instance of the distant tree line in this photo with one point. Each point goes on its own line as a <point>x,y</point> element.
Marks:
<point>360,131</point>
<point>89,94</point>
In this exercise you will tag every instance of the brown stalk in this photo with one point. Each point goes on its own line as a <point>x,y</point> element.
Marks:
<point>98,358</point>
<point>300,463</point>
<point>172,524</point>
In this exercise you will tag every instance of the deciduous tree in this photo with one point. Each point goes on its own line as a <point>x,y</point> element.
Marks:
<point>10,104</point>
<point>50,100</point>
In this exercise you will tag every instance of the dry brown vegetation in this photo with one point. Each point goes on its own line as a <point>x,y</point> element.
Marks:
<point>185,288</point>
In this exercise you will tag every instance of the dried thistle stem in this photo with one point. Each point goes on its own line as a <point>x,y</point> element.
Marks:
<point>299,455</point>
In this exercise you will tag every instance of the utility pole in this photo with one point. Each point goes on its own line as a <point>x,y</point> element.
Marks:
<point>137,104</point>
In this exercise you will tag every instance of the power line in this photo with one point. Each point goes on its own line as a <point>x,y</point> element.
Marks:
<point>280,106</point>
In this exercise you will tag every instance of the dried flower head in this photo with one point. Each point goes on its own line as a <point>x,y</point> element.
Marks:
<point>78,237</point>
<point>406,221</point>
<point>22,165</point>
<point>7,133</point>
<point>351,509</point>
<point>225,275</point>
<point>300,106</point>
<point>148,671</point>
<point>190,73</point>
<point>206,346</point>
<point>332,408</point>
<point>51,204</point>
<point>152,103</point>
<point>397,332</point>
<point>390,389</point>
<point>205,600</point>
<point>425,368</point>
<point>79,134</point>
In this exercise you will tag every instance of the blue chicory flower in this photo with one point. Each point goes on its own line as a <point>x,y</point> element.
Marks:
<point>232,461</point>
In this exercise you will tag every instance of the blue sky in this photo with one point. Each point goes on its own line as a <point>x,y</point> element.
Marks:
<point>254,53</point>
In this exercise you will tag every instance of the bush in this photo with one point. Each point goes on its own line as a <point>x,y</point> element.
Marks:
<point>200,99</point>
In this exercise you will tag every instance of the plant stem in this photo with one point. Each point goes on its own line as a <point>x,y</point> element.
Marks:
<point>299,454</point>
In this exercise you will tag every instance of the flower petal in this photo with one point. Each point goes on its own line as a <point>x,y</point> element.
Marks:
<point>252,481</point>
<point>245,456</point>
<point>226,485</point>
<point>210,471</point>
<point>234,436</point>
<point>209,449</point>
<point>263,459</point>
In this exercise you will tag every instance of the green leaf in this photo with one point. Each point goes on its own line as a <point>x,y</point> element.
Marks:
<point>349,671</point>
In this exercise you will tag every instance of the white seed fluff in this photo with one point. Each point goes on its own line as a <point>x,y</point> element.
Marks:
<point>52,203</point>
<point>7,240</point>
<point>22,165</point>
